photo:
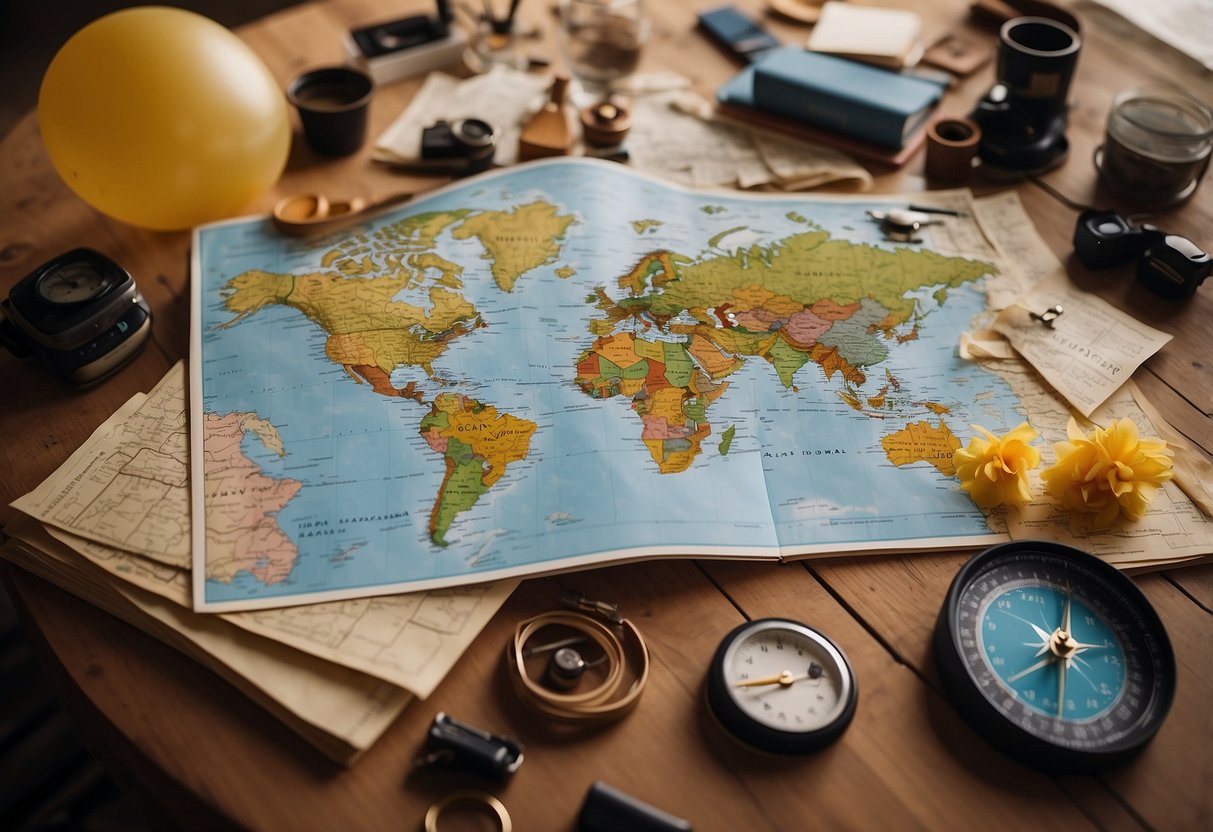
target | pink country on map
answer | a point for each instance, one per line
(242, 533)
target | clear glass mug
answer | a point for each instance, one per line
(1157, 147)
(602, 41)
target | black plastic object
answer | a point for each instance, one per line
(606, 809)
(456, 744)
(1174, 267)
(1103, 239)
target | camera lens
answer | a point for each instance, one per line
(474, 132)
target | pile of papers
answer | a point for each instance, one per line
(112, 526)
(674, 134)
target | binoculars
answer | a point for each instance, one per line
(1168, 265)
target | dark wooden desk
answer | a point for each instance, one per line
(203, 755)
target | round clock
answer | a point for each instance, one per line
(1054, 656)
(781, 687)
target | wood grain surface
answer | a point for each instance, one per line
(201, 756)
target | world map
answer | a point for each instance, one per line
(567, 363)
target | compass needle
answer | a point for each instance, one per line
(1062, 664)
(1043, 663)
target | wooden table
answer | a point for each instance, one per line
(202, 755)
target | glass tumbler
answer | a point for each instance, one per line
(602, 41)
(1157, 145)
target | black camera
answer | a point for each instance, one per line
(79, 314)
(462, 146)
(1169, 265)
(1023, 116)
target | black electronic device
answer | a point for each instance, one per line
(405, 33)
(1023, 116)
(736, 33)
(79, 314)
(1169, 265)
(465, 145)
(1054, 656)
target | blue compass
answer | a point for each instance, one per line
(1054, 656)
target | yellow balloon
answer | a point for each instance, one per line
(163, 119)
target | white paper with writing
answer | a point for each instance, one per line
(1087, 351)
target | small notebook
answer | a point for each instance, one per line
(885, 37)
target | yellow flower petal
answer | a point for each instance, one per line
(994, 470)
(1114, 471)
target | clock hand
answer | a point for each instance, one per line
(1045, 662)
(784, 678)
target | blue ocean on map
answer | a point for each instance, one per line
(803, 470)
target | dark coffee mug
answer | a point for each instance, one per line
(333, 104)
(1036, 60)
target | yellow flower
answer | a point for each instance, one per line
(1113, 471)
(995, 470)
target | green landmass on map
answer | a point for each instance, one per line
(681, 326)
(477, 443)
(371, 333)
(726, 440)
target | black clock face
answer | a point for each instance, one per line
(781, 687)
(1054, 656)
(73, 283)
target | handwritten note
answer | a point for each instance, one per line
(1087, 350)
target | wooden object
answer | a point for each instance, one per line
(549, 132)
(202, 756)
(800, 11)
(605, 124)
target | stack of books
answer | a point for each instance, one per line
(112, 526)
(873, 113)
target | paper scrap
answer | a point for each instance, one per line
(985, 344)
(1088, 351)
(127, 485)
(711, 152)
(1193, 470)
(503, 97)
(1186, 25)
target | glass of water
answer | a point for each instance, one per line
(602, 40)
